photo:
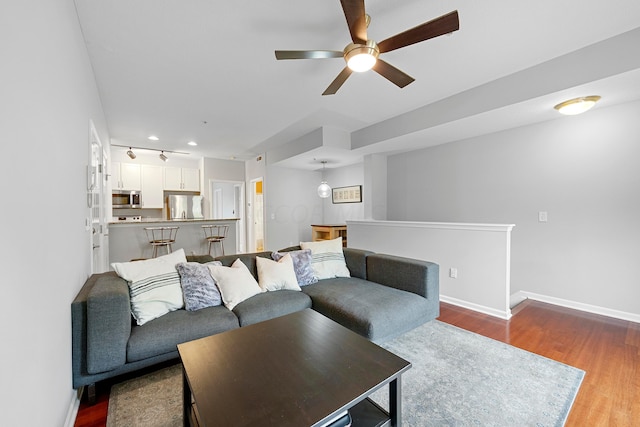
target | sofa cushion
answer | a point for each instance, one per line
(372, 310)
(277, 275)
(301, 265)
(268, 305)
(327, 258)
(163, 334)
(198, 287)
(236, 283)
(154, 285)
(247, 259)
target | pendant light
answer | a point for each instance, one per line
(163, 157)
(324, 190)
(131, 154)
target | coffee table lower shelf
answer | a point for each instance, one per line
(368, 414)
(364, 414)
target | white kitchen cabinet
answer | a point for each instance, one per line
(181, 179)
(152, 189)
(125, 176)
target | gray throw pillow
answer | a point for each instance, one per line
(301, 265)
(198, 287)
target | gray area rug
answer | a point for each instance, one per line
(458, 378)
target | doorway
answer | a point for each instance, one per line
(227, 201)
(256, 216)
(96, 201)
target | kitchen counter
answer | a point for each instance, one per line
(171, 221)
(128, 239)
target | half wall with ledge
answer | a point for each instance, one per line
(478, 255)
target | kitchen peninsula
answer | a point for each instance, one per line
(128, 240)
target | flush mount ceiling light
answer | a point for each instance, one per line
(324, 190)
(131, 154)
(163, 157)
(154, 138)
(577, 105)
(192, 143)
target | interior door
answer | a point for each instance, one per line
(227, 201)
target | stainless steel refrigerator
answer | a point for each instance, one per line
(185, 207)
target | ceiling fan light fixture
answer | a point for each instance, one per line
(577, 105)
(361, 57)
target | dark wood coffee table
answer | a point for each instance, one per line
(302, 369)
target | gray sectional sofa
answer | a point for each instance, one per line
(384, 297)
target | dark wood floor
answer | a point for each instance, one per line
(607, 349)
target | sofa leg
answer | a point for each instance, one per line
(91, 394)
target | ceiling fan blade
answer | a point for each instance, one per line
(308, 54)
(356, 19)
(391, 73)
(436, 27)
(338, 81)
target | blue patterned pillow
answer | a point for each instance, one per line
(198, 287)
(301, 265)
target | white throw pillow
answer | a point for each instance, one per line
(236, 283)
(154, 285)
(275, 275)
(327, 258)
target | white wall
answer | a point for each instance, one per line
(48, 97)
(582, 170)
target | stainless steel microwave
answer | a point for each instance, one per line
(125, 199)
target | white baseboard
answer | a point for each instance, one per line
(74, 405)
(603, 311)
(476, 307)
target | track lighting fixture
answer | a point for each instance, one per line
(162, 155)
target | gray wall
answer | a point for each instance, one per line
(343, 177)
(48, 97)
(219, 169)
(291, 206)
(582, 170)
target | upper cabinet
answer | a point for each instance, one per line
(181, 179)
(125, 176)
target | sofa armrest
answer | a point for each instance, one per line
(108, 324)
(407, 274)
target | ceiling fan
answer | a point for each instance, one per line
(362, 54)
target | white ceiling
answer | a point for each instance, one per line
(205, 70)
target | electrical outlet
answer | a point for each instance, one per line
(542, 216)
(453, 273)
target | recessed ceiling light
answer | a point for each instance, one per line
(577, 105)
(154, 138)
(192, 143)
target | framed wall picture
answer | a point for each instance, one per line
(352, 194)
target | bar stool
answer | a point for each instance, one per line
(215, 234)
(161, 236)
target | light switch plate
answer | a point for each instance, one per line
(542, 216)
